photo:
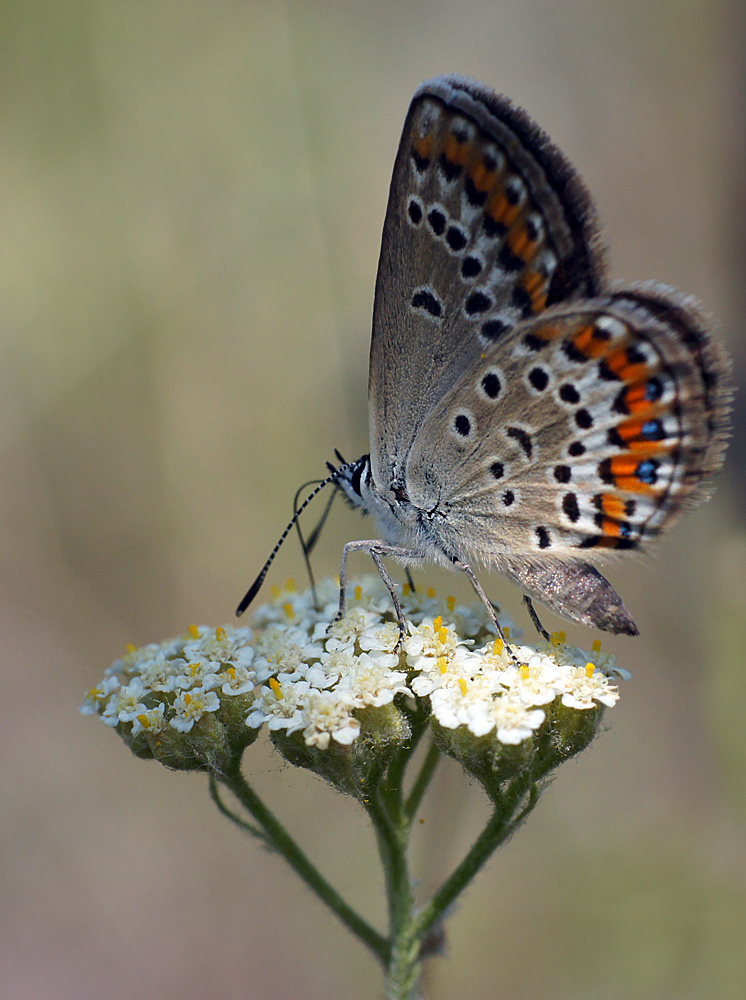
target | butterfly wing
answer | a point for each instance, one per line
(487, 225)
(585, 430)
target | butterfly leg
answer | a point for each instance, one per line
(375, 549)
(479, 590)
(535, 618)
(394, 597)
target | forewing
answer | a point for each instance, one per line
(584, 430)
(487, 225)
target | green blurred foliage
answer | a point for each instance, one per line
(192, 198)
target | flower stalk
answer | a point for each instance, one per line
(279, 840)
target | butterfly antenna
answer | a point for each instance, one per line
(307, 546)
(257, 584)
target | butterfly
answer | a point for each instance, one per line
(525, 415)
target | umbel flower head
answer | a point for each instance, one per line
(183, 701)
(342, 699)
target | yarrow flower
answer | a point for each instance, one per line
(351, 700)
(350, 688)
(183, 701)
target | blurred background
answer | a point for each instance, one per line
(192, 201)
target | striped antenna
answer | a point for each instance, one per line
(257, 584)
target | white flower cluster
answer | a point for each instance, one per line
(307, 676)
(484, 690)
(175, 683)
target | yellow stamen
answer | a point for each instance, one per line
(288, 609)
(443, 635)
(589, 668)
(462, 685)
(194, 667)
(558, 638)
(290, 584)
(275, 591)
(144, 721)
(596, 647)
(506, 632)
(430, 592)
(450, 603)
(498, 646)
(442, 664)
(220, 634)
(524, 671)
(437, 624)
(231, 671)
(358, 593)
(131, 648)
(187, 699)
(276, 687)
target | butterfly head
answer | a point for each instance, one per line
(353, 479)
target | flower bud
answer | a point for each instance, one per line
(357, 766)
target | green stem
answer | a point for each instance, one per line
(392, 832)
(278, 837)
(499, 827)
(421, 782)
(391, 838)
(234, 817)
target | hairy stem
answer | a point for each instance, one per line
(501, 824)
(280, 840)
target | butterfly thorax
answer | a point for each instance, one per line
(422, 529)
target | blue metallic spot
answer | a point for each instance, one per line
(653, 430)
(647, 471)
(653, 390)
